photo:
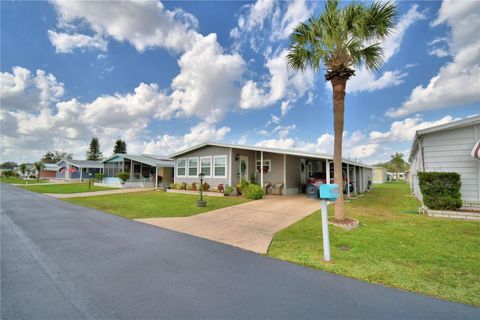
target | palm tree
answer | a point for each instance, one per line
(39, 166)
(341, 39)
(397, 162)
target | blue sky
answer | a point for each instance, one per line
(165, 76)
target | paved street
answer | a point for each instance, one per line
(60, 261)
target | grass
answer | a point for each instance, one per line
(153, 204)
(65, 188)
(392, 246)
(16, 180)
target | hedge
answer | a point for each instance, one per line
(441, 190)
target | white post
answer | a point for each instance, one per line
(355, 178)
(284, 173)
(81, 173)
(360, 171)
(261, 169)
(156, 177)
(328, 171)
(348, 180)
(325, 235)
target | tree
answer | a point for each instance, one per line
(8, 165)
(23, 169)
(93, 152)
(120, 147)
(341, 39)
(39, 166)
(397, 163)
(7, 173)
(56, 156)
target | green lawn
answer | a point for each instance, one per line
(154, 204)
(15, 180)
(436, 257)
(65, 188)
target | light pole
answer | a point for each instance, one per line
(201, 203)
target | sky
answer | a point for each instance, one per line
(167, 76)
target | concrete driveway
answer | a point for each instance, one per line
(249, 226)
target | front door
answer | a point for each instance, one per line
(137, 168)
(243, 168)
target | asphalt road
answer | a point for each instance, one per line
(60, 261)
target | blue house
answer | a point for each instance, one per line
(78, 169)
(145, 170)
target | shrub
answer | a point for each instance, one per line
(228, 191)
(253, 191)
(99, 177)
(123, 176)
(173, 186)
(441, 190)
(194, 186)
(205, 186)
(189, 187)
(183, 186)
(7, 173)
(220, 187)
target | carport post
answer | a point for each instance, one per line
(81, 173)
(261, 169)
(355, 178)
(348, 180)
(156, 177)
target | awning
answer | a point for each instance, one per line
(476, 151)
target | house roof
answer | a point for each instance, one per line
(50, 166)
(271, 150)
(443, 127)
(150, 159)
(84, 163)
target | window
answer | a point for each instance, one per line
(267, 166)
(206, 166)
(220, 166)
(181, 167)
(192, 167)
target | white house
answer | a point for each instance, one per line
(451, 147)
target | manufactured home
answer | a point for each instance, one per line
(379, 175)
(78, 169)
(451, 147)
(228, 164)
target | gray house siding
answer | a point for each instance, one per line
(450, 151)
(208, 151)
(293, 174)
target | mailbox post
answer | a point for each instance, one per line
(328, 192)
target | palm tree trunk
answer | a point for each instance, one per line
(338, 86)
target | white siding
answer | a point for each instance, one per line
(449, 151)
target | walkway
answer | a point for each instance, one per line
(249, 225)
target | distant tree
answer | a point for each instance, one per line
(8, 165)
(93, 152)
(397, 163)
(7, 173)
(23, 169)
(55, 156)
(120, 147)
(39, 166)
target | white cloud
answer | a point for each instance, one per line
(144, 24)
(404, 130)
(281, 85)
(296, 12)
(457, 83)
(365, 80)
(21, 90)
(65, 43)
(207, 84)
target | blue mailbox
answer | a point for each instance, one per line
(329, 192)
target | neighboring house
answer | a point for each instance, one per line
(78, 169)
(228, 164)
(379, 175)
(49, 172)
(451, 147)
(145, 170)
